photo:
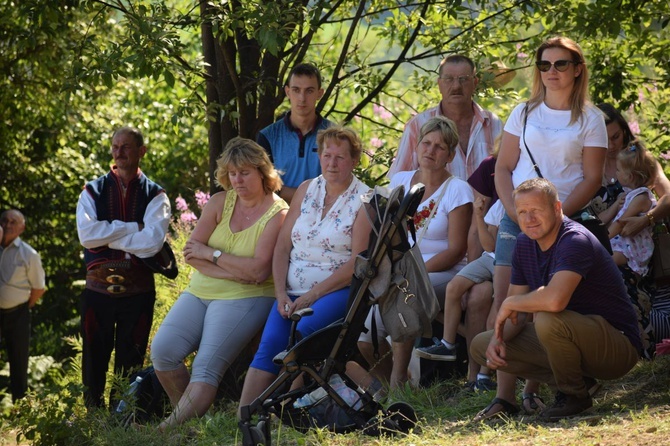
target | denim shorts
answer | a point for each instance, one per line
(505, 241)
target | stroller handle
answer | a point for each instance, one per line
(295, 317)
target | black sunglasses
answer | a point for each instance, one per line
(560, 65)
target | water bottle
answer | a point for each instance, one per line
(131, 394)
(310, 398)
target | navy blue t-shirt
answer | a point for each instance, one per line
(601, 291)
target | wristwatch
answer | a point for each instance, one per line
(215, 256)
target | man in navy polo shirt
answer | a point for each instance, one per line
(291, 141)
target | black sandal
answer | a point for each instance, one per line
(508, 409)
(534, 407)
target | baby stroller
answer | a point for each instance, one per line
(328, 397)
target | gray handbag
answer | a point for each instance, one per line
(409, 304)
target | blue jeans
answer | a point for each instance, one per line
(508, 230)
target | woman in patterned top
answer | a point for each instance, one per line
(314, 257)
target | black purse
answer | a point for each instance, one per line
(587, 216)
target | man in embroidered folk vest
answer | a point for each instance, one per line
(122, 218)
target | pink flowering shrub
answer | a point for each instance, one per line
(186, 216)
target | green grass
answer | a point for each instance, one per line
(634, 410)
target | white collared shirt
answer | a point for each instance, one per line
(20, 272)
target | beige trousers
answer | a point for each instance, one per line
(561, 348)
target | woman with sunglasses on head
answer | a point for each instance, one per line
(559, 135)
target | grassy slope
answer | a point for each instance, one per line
(634, 410)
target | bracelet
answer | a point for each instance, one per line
(651, 218)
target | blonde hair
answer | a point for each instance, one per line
(542, 185)
(447, 129)
(639, 162)
(579, 96)
(243, 152)
(340, 133)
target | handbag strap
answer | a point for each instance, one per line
(532, 160)
(432, 211)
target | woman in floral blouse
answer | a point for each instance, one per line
(313, 262)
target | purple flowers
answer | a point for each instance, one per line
(201, 198)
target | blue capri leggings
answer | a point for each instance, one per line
(327, 310)
(217, 329)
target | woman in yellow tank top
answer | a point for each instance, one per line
(231, 292)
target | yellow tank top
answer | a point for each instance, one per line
(242, 244)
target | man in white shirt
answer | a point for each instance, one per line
(22, 284)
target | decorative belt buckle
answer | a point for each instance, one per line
(115, 279)
(116, 289)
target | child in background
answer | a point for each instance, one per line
(478, 271)
(636, 170)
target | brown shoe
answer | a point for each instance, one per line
(566, 406)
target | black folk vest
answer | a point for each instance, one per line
(111, 204)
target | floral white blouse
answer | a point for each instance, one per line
(321, 246)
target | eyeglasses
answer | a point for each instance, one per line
(451, 79)
(560, 65)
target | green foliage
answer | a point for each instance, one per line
(51, 419)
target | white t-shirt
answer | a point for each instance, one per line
(557, 146)
(492, 218)
(436, 238)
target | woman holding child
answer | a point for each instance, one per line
(231, 291)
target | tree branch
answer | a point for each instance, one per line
(389, 74)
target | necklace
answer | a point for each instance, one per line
(248, 215)
(612, 168)
(327, 203)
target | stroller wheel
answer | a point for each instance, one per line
(258, 435)
(403, 415)
(264, 427)
(378, 426)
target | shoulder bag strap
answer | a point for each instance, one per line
(532, 160)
